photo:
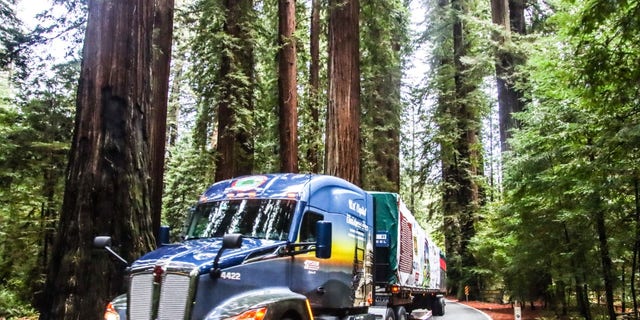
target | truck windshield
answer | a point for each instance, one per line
(257, 218)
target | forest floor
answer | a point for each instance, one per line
(499, 311)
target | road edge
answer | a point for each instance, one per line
(466, 306)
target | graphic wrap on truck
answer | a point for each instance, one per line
(413, 258)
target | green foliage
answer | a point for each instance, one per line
(188, 172)
(12, 38)
(11, 307)
(575, 157)
(34, 139)
(384, 41)
(36, 120)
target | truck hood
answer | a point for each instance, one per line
(200, 254)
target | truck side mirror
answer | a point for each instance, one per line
(232, 241)
(323, 242)
(104, 242)
(229, 241)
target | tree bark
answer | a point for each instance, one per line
(509, 15)
(107, 187)
(342, 153)
(161, 57)
(235, 107)
(287, 87)
(314, 84)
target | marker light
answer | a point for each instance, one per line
(395, 289)
(110, 313)
(254, 314)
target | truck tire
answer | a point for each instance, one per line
(401, 313)
(390, 315)
(438, 306)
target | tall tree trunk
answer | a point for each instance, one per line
(509, 15)
(161, 57)
(107, 189)
(314, 84)
(460, 163)
(342, 152)
(235, 104)
(287, 87)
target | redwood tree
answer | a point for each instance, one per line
(314, 83)
(508, 15)
(342, 151)
(235, 93)
(107, 187)
(287, 86)
(161, 56)
(458, 120)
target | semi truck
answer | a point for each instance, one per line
(288, 247)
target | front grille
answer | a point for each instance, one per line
(174, 293)
(141, 296)
(172, 296)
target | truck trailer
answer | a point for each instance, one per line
(288, 246)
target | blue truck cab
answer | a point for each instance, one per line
(271, 246)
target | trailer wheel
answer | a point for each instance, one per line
(401, 313)
(390, 315)
(438, 306)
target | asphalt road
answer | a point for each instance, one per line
(457, 311)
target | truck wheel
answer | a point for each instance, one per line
(390, 315)
(401, 313)
(438, 307)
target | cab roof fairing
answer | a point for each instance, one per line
(325, 190)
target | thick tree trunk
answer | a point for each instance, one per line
(314, 84)
(235, 143)
(342, 151)
(161, 57)
(107, 187)
(287, 87)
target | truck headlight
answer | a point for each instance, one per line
(110, 313)
(253, 314)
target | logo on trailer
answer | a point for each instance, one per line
(358, 208)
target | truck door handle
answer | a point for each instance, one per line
(321, 290)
